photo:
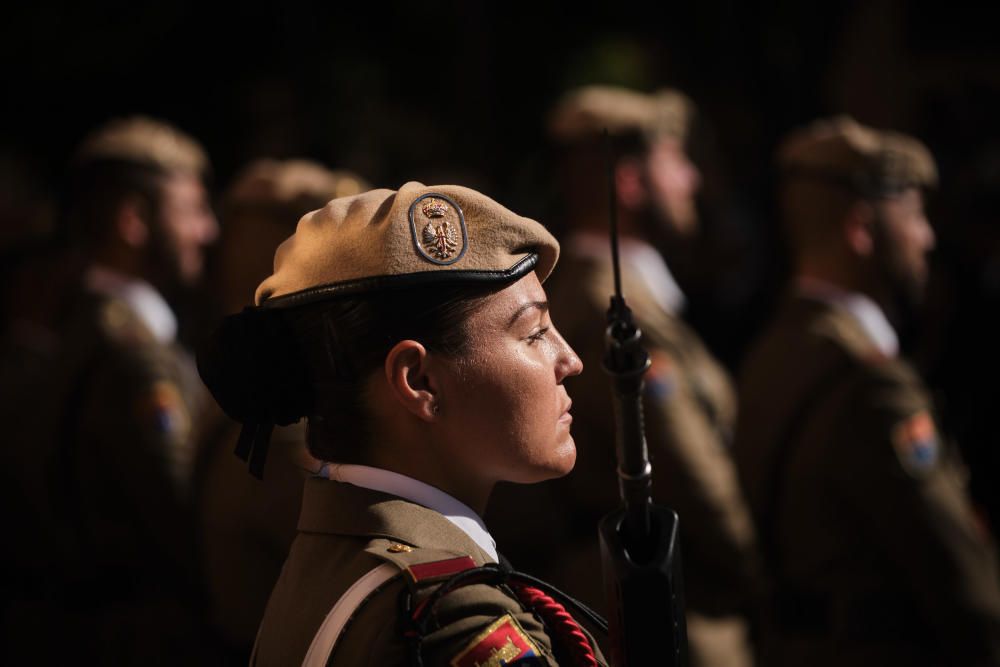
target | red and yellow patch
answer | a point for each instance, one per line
(916, 443)
(660, 377)
(503, 642)
(163, 409)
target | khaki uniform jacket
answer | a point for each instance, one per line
(345, 532)
(551, 528)
(247, 525)
(874, 551)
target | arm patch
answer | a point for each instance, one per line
(503, 642)
(916, 444)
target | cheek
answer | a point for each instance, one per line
(513, 400)
(190, 230)
(674, 178)
(173, 233)
(909, 245)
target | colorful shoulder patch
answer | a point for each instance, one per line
(660, 378)
(162, 409)
(916, 443)
(503, 643)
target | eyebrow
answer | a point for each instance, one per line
(540, 305)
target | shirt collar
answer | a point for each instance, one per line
(864, 310)
(386, 481)
(140, 296)
(645, 261)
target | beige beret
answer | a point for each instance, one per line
(587, 111)
(286, 182)
(420, 235)
(145, 141)
(869, 161)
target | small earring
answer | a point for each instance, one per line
(436, 409)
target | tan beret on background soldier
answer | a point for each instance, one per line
(689, 403)
(411, 329)
(247, 525)
(115, 432)
(874, 552)
(259, 212)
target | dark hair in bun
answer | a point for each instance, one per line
(277, 365)
(255, 370)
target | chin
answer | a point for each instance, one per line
(190, 275)
(558, 465)
(564, 459)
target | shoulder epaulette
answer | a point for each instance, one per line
(419, 565)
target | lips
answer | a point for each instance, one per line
(566, 416)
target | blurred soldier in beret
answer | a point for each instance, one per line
(260, 209)
(689, 402)
(123, 409)
(874, 553)
(248, 525)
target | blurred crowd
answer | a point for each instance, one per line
(813, 425)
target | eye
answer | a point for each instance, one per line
(538, 335)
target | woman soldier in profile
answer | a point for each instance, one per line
(411, 329)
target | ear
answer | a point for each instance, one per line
(629, 183)
(408, 380)
(859, 228)
(130, 223)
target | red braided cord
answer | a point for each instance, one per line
(566, 629)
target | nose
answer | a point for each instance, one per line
(569, 363)
(930, 238)
(209, 228)
(693, 177)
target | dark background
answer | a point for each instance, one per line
(457, 91)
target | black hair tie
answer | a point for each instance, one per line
(255, 371)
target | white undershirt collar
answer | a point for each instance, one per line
(646, 262)
(139, 295)
(418, 492)
(864, 310)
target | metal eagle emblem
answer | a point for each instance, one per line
(442, 238)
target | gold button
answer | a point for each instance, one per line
(397, 548)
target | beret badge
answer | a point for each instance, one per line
(437, 225)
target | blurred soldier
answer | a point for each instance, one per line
(875, 554)
(34, 273)
(119, 421)
(248, 525)
(690, 405)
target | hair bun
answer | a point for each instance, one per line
(253, 368)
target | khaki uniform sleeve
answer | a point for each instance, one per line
(694, 474)
(480, 622)
(910, 501)
(136, 433)
(466, 621)
(469, 627)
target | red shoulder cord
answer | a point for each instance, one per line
(564, 629)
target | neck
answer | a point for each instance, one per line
(120, 260)
(419, 459)
(831, 270)
(135, 264)
(848, 278)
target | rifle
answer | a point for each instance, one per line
(640, 546)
